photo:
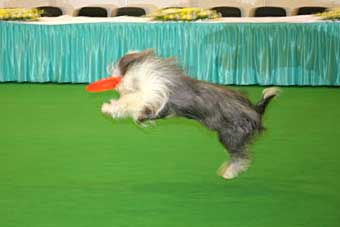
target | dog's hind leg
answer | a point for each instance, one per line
(240, 159)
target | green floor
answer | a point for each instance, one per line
(64, 164)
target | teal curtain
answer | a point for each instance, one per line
(223, 53)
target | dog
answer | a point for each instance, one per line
(155, 88)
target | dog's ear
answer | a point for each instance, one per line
(132, 58)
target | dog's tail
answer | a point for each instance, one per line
(268, 94)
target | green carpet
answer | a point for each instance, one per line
(64, 164)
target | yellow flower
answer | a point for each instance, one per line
(330, 15)
(19, 14)
(185, 14)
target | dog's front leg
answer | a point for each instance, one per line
(127, 106)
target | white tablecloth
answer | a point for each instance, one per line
(125, 19)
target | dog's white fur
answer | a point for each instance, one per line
(270, 92)
(232, 169)
(142, 87)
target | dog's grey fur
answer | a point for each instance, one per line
(226, 111)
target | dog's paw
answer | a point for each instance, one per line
(231, 170)
(227, 171)
(107, 108)
(230, 173)
(114, 102)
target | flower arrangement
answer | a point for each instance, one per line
(330, 15)
(20, 14)
(184, 14)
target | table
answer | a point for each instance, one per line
(269, 51)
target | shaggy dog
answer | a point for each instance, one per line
(154, 88)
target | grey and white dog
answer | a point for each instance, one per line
(155, 88)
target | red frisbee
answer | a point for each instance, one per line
(104, 84)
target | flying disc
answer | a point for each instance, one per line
(105, 84)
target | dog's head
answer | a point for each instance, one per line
(130, 59)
